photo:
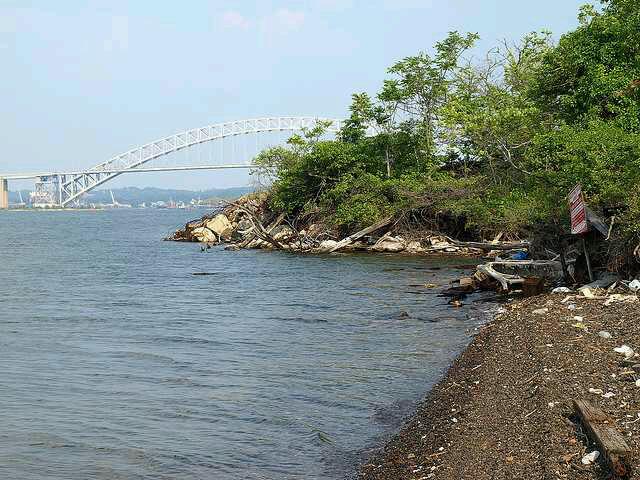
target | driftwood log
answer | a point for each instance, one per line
(258, 228)
(488, 246)
(600, 429)
(358, 235)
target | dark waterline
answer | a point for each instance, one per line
(117, 362)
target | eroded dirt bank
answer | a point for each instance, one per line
(504, 409)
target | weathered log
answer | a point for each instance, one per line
(488, 246)
(611, 443)
(356, 236)
(504, 279)
(261, 232)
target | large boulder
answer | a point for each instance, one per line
(414, 247)
(220, 225)
(283, 234)
(327, 245)
(204, 235)
(390, 245)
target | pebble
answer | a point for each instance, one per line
(604, 334)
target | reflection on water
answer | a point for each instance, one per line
(116, 362)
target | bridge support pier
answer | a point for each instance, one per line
(4, 194)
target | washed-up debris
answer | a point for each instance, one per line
(510, 273)
(604, 334)
(541, 311)
(604, 281)
(634, 286)
(561, 290)
(611, 444)
(590, 458)
(625, 350)
(617, 297)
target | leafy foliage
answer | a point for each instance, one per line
(514, 132)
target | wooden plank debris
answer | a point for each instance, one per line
(600, 429)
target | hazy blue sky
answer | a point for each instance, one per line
(84, 80)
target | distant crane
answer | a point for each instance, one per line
(115, 204)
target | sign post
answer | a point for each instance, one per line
(579, 225)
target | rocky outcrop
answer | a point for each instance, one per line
(249, 223)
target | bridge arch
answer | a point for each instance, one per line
(72, 186)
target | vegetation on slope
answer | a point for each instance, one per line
(486, 145)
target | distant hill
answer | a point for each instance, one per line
(136, 196)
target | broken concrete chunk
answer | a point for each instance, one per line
(625, 350)
(590, 458)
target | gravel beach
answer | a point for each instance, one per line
(504, 409)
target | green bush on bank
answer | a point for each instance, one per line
(498, 142)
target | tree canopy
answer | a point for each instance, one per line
(497, 141)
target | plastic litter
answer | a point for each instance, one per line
(638, 383)
(589, 458)
(604, 334)
(608, 395)
(561, 290)
(616, 297)
(635, 286)
(625, 350)
(596, 391)
(587, 292)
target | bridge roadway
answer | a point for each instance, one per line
(30, 176)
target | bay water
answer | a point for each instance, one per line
(117, 362)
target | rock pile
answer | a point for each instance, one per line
(246, 223)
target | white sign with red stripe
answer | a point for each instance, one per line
(578, 211)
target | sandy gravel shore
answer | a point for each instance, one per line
(504, 409)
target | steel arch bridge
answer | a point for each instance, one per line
(70, 186)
